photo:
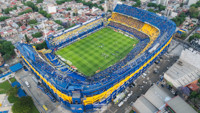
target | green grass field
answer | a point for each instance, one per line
(4, 87)
(98, 51)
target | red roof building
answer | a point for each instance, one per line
(23, 27)
(193, 87)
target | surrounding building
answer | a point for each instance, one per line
(160, 100)
(162, 2)
(185, 71)
(190, 2)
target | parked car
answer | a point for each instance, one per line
(27, 84)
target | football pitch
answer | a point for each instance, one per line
(98, 51)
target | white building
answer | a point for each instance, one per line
(186, 70)
(161, 100)
(190, 2)
(51, 9)
(162, 2)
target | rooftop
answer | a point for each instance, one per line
(180, 106)
(185, 70)
(153, 100)
(158, 96)
(147, 107)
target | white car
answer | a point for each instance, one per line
(120, 104)
(27, 84)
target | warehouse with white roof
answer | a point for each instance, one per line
(186, 70)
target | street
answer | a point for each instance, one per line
(37, 95)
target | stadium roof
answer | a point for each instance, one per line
(185, 70)
(21, 93)
(17, 84)
(180, 106)
(16, 67)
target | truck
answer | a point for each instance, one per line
(119, 97)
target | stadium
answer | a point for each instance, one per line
(87, 65)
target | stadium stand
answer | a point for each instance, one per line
(77, 31)
(82, 93)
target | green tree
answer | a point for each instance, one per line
(137, 4)
(68, 9)
(3, 18)
(58, 22)
(109, 11)
(102, 1)
(40, 1)
(179, 19)
(26, 11)
(32, 21)
(44, 13)
(89, 4)
(6, 56)
(12, 91)
(27, 39)
(193, 12)
(196, 35)
(48, 16)
(24, 105)
(13, 98)
(184, 35)
(6, 49)
(59, 2)
(152, 5)
(37, 35)
(193, 96)
(32, 5)
(152, 10)
(196, 5)
(161, 7)
(100, 7)
(75, 14)
(41, 46)
(7, 10)
(181, 5)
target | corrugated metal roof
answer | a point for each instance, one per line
(185, 70)
(146, 106)
(180, 106)
(157, 96)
